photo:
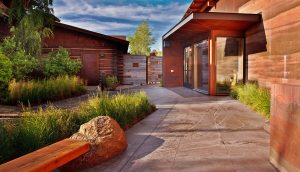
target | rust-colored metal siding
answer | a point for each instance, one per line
(278, 35)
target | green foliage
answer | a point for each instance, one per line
(22, 63)
(59, 63)
(111, 82)
(28, 35)
(259, 99)
(141, 40)
(46, 126)
(39, 91)
(5, 70)
(5, 75)
(124, 108)
(40, 9)
(6, 144)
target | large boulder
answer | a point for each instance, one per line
(107, 139)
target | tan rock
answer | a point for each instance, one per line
(107, 140)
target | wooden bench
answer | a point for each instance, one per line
(47, 158)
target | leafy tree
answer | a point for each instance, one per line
(141, 40)
(59, 63)
(29, 34)
(31, 21)
(23, 64)
(41, 10)
(5, 75)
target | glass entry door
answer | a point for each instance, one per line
(201, 73)
(187, 67)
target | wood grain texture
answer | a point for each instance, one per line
(109, 54)
(47, 158)
(135, 70)
(154, 71)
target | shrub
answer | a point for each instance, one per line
(6, 144)
(259, 99)
(23, 64)
(111, 82)
(59, 63)
(39, 91)
(5, 75)
(124, 108)
(40, 128)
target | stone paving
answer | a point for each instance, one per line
(193, 132)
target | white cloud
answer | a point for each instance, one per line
(98, 26)
(159, 13)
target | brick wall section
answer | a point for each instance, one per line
(285, 127)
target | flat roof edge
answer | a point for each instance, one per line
(214, 16)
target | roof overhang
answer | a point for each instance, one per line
(91, 33)
(199, 6)
(214, 21)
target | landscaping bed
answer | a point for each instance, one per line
(257, 98)
(40, 128)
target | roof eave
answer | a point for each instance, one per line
(99, 35)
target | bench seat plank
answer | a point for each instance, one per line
(47, 158)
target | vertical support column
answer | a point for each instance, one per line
(212, 64)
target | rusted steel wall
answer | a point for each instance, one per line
(173, 63)
(109, 55)
(154, 72)
(285, 127)
(273, 46)
(135, 70)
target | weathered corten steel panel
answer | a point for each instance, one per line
(173, 64)
(273, 46)
(285, 127)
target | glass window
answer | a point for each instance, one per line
(229, 54)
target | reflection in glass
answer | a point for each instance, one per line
(201, 66)
(229, 53)
(187, 68)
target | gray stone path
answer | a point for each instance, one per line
(193, 132)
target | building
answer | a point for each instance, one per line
(100, 54)
(222, 42)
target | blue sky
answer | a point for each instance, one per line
(121, 17)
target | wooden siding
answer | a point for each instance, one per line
(135, 70)
(267, 43)
(109, 54)
(154, 71)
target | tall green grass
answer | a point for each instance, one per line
(258, 98)
(39, 91)
(40, 128)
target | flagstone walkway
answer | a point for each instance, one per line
(193, 132)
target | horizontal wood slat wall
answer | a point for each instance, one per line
(142, 69)
(135, 70)
(110, 54)
(154, 72)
